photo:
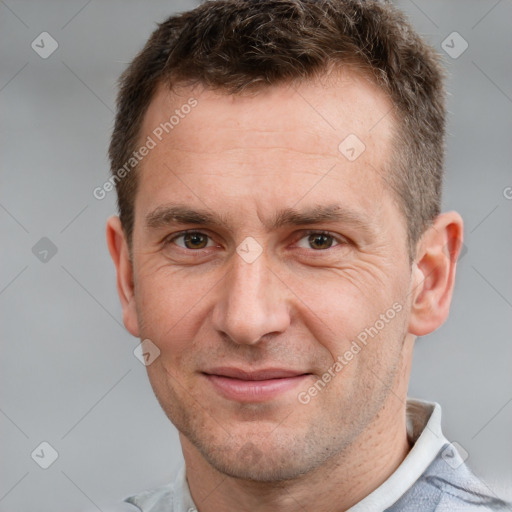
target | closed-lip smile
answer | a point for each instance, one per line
(253, 385)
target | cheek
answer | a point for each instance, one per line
(169, 306)
(344, 297)
(344, 306)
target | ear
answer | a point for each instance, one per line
(119, 251)
(434, 273)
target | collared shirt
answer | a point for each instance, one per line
(432, 478)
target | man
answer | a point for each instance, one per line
(280, 246)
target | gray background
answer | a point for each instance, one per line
(68, 373)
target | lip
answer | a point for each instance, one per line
(253, 386)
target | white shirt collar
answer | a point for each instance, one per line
(424, 434)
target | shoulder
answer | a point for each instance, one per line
(448, 485)
(159, 499)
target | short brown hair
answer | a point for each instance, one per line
(237, 45)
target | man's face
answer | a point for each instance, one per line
(244, 335)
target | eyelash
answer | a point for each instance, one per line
(339, 239)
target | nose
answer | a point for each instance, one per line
(252, 304)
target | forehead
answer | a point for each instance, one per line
(328, 107)
(277, 142)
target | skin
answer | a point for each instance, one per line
(298, 306)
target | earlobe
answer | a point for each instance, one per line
(434, 273)
(119, 251)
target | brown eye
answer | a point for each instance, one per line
(319, 241)
(193, 240)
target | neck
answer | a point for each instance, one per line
(339, 484)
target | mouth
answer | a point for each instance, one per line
(254, 386)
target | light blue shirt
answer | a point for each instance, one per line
(432, 478)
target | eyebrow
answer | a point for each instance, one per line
(165, 215)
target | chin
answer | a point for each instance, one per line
(257, 467)
(275, 460)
